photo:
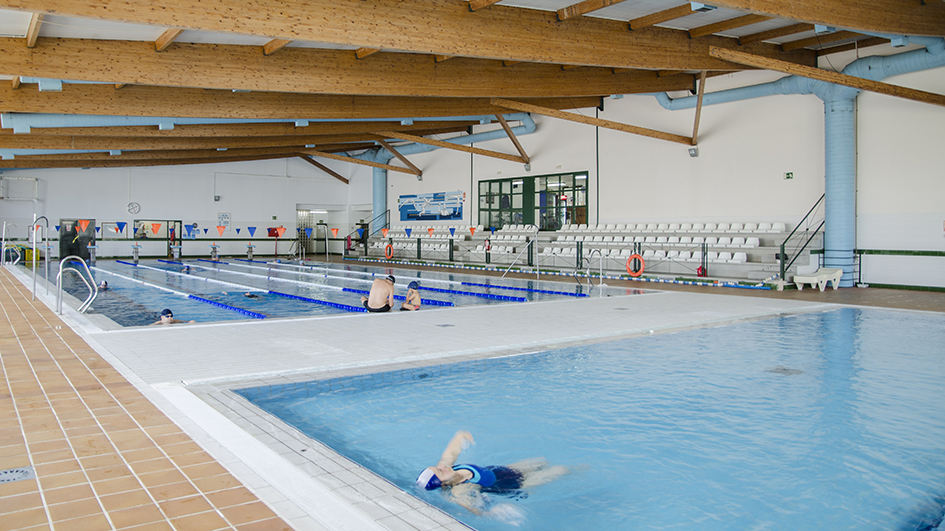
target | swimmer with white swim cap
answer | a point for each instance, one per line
(465, 483)
(381, 298)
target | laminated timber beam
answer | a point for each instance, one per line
(303, 70)
(342, 158)
(105, 143)
(434, 27)
(449, 145)
(141, 100)
(253, 129)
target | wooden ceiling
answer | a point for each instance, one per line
(361, 61)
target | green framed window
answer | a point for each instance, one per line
(548, 201)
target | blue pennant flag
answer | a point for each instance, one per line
(308, 232)
(121, 226)
(205, 230)
(136, 230)
(252, 231)
(360, 233)
(237, 231)
(493, 230)
(57, 228)
(452, 231)
(408, 232)
(97, 229)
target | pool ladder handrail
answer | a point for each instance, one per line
(587, 273)
(519, 255)
(93, 287)
(12, 246)
(33, 227)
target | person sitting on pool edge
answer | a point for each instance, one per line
(465, 483)
(381, 298)
(412, 303)
(167, 318)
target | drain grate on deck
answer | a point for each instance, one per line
(16, 474)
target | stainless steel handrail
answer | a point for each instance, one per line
(527, 245)
(15, 249)
(33, 227)
(93, 287)
(3, 243)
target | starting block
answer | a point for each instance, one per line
(819, 278)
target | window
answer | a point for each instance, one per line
(549, 201)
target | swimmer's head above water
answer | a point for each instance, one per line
(429, 480)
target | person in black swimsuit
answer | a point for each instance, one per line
(381, 298)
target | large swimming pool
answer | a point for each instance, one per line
(829, 420)
(236, 289)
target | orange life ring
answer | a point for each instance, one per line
(389, 251)
(630, 260)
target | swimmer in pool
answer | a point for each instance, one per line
(381, 298)
(412, 303)
(103, 286)
(250, 295)
(465, 483)
(167, 318)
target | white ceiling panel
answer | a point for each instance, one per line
(14, 23)
(205, 37)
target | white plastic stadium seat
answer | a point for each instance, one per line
(673, 227)
(724, 242)
(763, 227)
(777, 227)
(723, 227)
(709, 227)
(739, 258)
(750, 227)
(685, 227)
(711, 240)
(751, 242)
(736, 227)
(737, 242)
(724, 257)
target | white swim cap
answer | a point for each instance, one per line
(428, 480)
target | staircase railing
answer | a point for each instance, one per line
(802, 243)
(381, 221)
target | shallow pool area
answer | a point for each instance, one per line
(829, 419)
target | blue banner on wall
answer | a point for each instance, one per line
(430, 207)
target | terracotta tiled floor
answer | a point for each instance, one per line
(104, 456)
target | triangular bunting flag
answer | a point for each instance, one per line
(280, 231)
(408, 232)
(220, 229)
(252, 231)
(308, 232)
(472, 231)
(189, 230)
(96, 229)
(136, 231)
(205, 230)
(452, 231)
(117, 230)
(493, 230)
(360, 233)
(121, 226)
(237, 231)
(384, 232)
(155, 227)
(430, 231)
(57, 228)
(334, 233)
(83, 224)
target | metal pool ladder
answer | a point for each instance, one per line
(93, 288)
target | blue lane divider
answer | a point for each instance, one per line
(346, 307)
(430, 302)
(127, 263)
(254, 315)
(170, 262)
(474, 294)
(245, 260)
(211, 261)
(548, 291)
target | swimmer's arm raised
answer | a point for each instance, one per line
(457, 444)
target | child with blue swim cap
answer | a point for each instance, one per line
(413, 298)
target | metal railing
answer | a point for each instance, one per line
(34, 228)
(528, 246)
(802, 244)
(93, 287)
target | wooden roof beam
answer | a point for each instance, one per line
(508, 131)
(449, 145)
(585, 7)
(324, 168)
(862, 43)
(775, 33)
(726, 25)
(166, 39)
(342, 158)
(661, 16)
(695, 126)
(479, 4)
(386, 145)
(36, 20)
(255, 129)
(828, 76)
(274, 46)
(597, 122)
(16, 82)
(361, 53)
(819, 40)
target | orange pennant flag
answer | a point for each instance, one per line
(220, 229)
(430, 231)
(384, 232)
(117, 230)
(155, 227)
(472, 231)
(280, 231)
(83, 224)
(334, 233)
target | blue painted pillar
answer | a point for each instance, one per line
(840, 187)
(379, 204)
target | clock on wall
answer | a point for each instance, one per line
(134, 208)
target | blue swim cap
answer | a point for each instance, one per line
(428, 480)
(167, 312)
(413, 285)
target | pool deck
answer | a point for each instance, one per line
(137, 429)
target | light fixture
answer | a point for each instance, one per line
(694, 151)
(701, 8)
(318, 211)
(528, 167)
(516, 183)
(555, 185)
(581, 177)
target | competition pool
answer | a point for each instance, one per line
(829, 420)
(236, 289)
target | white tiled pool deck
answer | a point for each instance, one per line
(187, 371)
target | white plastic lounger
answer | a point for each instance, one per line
(820, 278)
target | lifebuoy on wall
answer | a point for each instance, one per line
(389, 251)
(630, 262)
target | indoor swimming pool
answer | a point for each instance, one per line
(237, 289)
(823, 420)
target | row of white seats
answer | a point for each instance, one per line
(678, 227)
(650, 254)
(518, 228)
(407, 246)
(685, 241)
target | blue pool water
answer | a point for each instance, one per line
(828, 420)
(283, 288)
